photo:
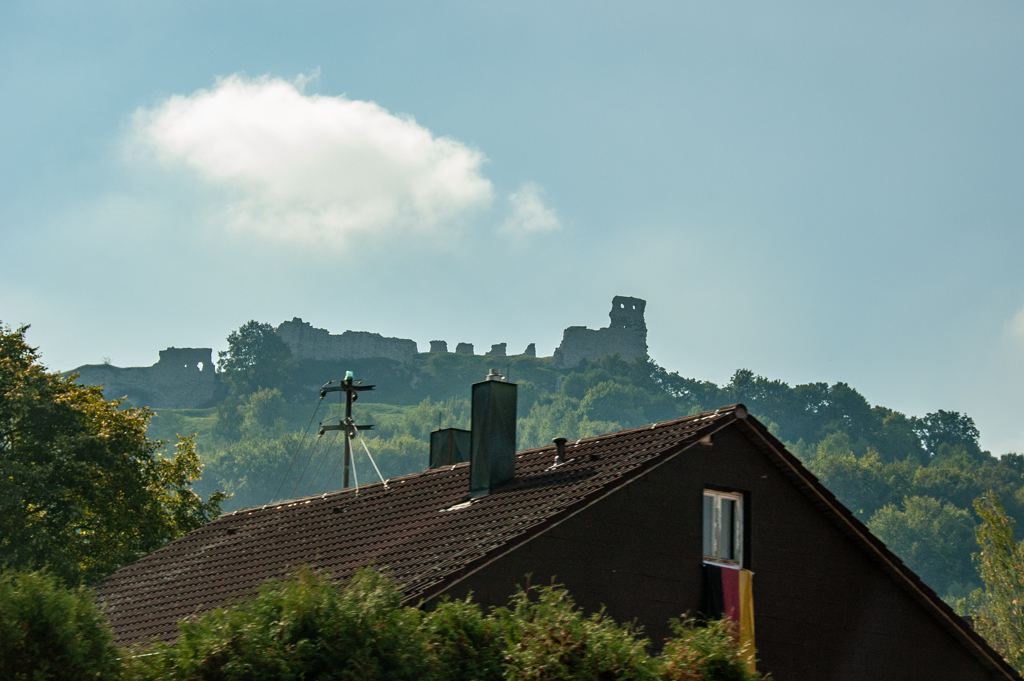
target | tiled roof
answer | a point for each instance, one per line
(417, 527)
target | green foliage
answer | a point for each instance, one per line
(464, 644)
(50, 632)
(304, 627)
(420, 420)
(299, 628)
(396, 456)
(948, 428)
(256, 358)
(998, 606)
(929, 536)
(82, 489)
(549, 638)
(249, 470)
(613, 401)
(708, 652)
(858, 482)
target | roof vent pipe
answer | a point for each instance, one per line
(559, 450)
(492, 449)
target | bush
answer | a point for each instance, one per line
(704, 653)
(464, 644)
(299, 628)
(304, 627)
(51, 632)
(549, 638)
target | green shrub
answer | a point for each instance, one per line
(51, 632)
(464, 644)
(703, 653)
(299, 628)
(549, 638)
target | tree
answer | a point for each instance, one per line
(613, 401)
(256, 358)
(930, 537)
(998, 607)
(948, 427)
(48, 631)
(82, 489)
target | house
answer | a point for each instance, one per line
(635, 521)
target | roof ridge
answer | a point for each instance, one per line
(721, 411)
(534, 450)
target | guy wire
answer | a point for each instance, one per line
(312, 453)
(327, 453)
(370, 456)
(296, 452)
(355, 474)
(334, 470)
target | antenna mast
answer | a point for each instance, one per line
(352, 391)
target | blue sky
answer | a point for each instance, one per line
(814, 192)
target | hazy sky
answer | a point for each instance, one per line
(815, 191)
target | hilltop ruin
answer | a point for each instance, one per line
(310, 343)
(626, 334)
(183, 378)
(186, 378)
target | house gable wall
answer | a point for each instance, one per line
(824, 608)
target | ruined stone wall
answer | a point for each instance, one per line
(626, 335)
(310, 343)
(183, 378)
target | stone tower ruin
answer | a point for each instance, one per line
(626, 334)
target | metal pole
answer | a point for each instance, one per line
(348, 440)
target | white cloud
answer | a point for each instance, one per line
(529, 214)
(1016, 325)
(315, 169)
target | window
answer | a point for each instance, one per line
(723, 527)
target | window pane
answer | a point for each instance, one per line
(709, 524)
(726, 543)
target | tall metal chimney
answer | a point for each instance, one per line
(493, 435)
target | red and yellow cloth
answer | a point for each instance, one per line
(729, 592)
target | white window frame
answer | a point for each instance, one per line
(716, 529)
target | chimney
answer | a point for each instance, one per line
(492, 451)
(449, 446)
(559, 450)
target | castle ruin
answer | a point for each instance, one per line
(183, 378)
(186, 378)
(310, 343)
(626, 335)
